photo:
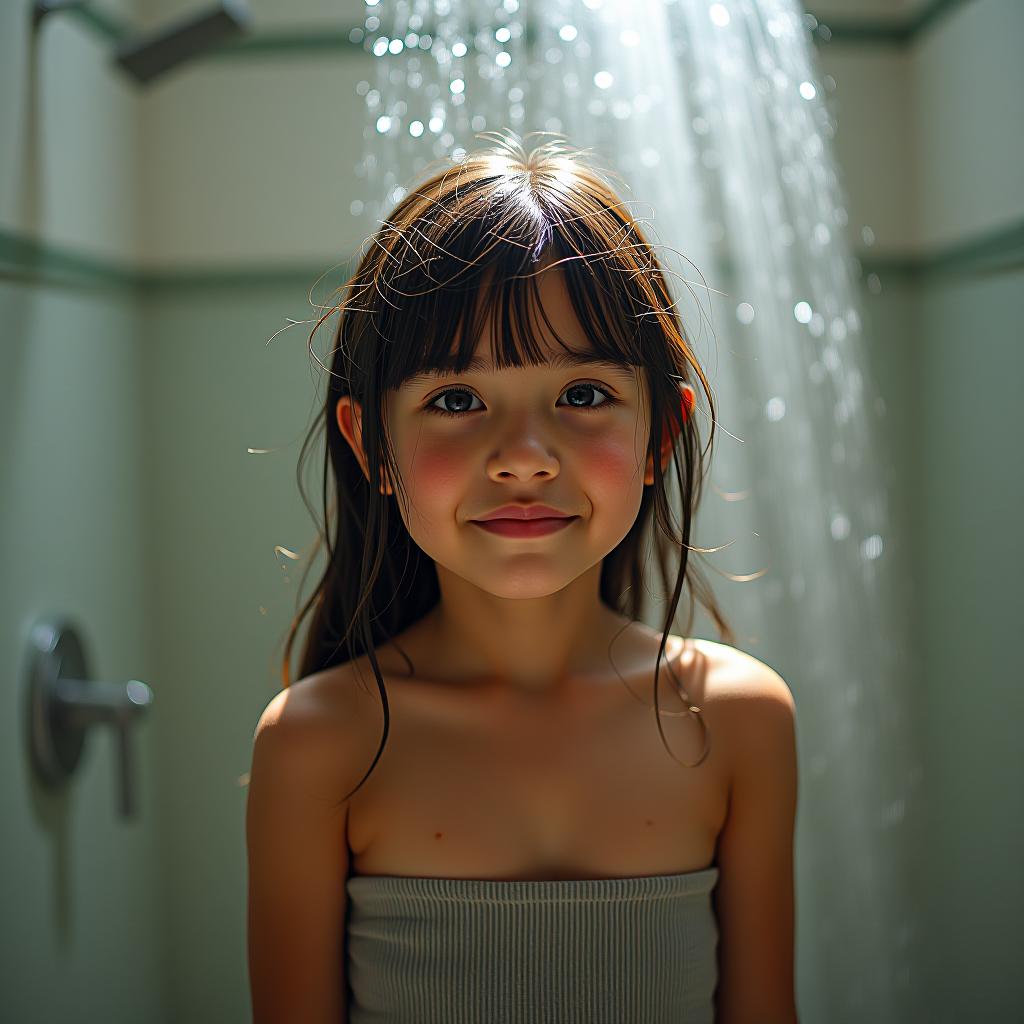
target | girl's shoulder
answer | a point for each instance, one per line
(739, 674)
(742, 698)
(316, 713)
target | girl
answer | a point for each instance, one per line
(493, 832)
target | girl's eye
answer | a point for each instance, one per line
(610, 399)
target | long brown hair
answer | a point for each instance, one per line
(490, 218)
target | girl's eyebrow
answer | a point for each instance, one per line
(479, 365)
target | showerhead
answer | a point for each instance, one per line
(148, 56)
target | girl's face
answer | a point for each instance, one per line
(571, 437)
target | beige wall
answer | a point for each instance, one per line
(934, 166)
(85, 893)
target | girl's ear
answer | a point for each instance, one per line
(350, 422)
(687, 397)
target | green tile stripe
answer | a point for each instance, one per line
(883, 32)
(277, 42)
(27, 261)
(998, 251)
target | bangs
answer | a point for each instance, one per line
(437, 330)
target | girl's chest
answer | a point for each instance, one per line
(467, 790)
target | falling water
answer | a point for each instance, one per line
(715, 116)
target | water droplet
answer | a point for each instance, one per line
(802, 312)
(807, 90)
(840, 527)
(745, 312)
(719, 15)
(871, 548)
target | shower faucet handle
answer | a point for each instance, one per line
(84, 702)
(64, 703)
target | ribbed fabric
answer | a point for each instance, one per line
(470, 951)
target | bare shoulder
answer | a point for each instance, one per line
(754, 899)
(321, 720)
(742, 679)
(752, 706)
(305, 761)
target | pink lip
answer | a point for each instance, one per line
(534, 511)
(525, 527)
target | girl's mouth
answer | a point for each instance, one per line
(525, 527)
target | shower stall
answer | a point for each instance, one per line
(834, 189)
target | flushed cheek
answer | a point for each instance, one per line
(609, 467)
(436, 474)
